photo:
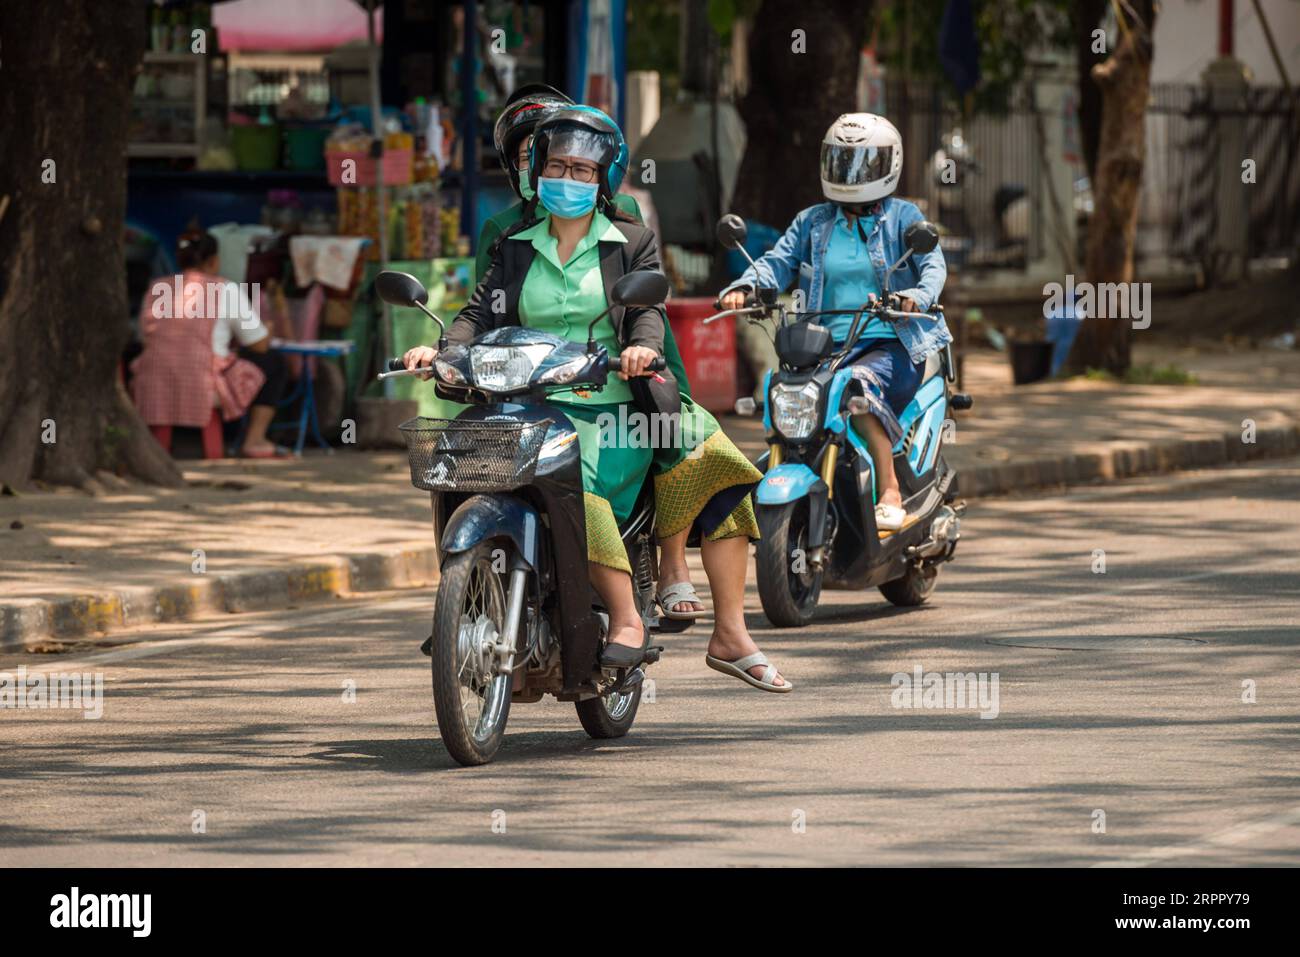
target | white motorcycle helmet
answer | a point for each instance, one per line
(862, 158)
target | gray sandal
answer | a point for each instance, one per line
(672, 595)
(740, 669)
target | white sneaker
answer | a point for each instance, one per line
(890, 518)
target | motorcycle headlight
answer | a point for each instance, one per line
(794, 409)
(505, 368)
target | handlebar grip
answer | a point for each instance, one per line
(657, 364)
(396, 365)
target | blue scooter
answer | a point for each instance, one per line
(816, 502)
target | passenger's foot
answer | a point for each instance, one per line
(671, 577)
(730, 646)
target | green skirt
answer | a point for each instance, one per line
(702, 481)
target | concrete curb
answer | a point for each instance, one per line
(29, 622)
(25, 623)
(1127, 461)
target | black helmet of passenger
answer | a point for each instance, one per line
(526, 108)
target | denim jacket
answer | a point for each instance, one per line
(801, 252)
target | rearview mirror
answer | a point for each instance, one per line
(400, 289)
(921, 237)
(641, 288)
(732, 231)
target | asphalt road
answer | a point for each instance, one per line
(1120, 693)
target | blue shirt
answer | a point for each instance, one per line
(850, 279)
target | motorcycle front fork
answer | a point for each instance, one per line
(819, 510)
(506, 641)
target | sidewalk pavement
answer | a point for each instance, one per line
(244, 536)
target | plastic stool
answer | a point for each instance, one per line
(213, 443)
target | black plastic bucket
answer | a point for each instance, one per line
(1030, 361)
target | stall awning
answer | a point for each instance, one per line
(291, 25)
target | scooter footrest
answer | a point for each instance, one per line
(426, 648)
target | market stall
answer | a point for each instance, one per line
(286, 127)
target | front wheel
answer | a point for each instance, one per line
(787, 585)
(471, 700)
(916, 585)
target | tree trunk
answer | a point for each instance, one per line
(64, 105)
(1125, 82)
(793, 97)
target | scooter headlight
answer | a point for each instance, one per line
(794, 408)
(505, 368)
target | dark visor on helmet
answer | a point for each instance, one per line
(855, 165)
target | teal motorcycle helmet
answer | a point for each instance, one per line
(587, 132)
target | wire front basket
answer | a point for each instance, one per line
(448, 455)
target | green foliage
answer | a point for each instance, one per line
(652, 36)
(1147, 373)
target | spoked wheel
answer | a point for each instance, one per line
(787, 585)
(471, 700)
(914, 587)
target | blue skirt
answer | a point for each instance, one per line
(888, 379)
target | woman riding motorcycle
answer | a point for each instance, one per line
(554, 272)
(526, 109)
(840, 251)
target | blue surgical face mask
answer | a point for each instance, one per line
(566, 198)
(525, 187)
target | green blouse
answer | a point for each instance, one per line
(563, 298)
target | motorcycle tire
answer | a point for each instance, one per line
(789, 597)
(468, 593)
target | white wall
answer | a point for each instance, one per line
(1187, 39)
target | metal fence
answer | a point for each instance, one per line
(1184, 176)
(995, 165)
(1185, 180)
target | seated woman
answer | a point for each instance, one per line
(840, 251)
(186, 368)
(555, 275)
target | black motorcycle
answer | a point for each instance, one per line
(516, 617)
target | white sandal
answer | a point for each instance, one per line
(740, 669)
(890, 518)
(670, 596)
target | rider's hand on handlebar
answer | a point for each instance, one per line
(634, 361)
(419, 356)
(733, 300)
